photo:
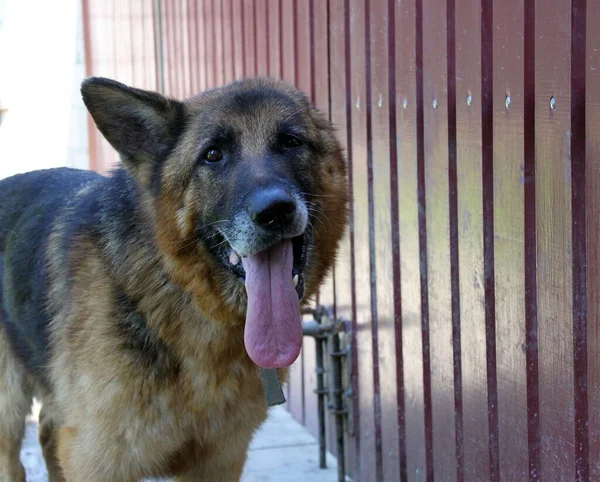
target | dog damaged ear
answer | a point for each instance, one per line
(141, 125)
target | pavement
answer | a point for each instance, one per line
(282, 451)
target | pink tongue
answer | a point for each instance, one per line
(273, 334)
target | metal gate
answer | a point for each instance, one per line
(471, 269)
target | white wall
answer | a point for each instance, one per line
(41, 66)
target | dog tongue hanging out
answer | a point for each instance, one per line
(273, 334)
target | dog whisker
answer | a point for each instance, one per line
(220, 221)
(316, 195)
(316, 209)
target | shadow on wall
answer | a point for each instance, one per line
(44, 122)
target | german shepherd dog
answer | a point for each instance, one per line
(140, 306)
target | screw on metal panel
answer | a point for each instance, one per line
(507, 101)
(357, 104)
(380, 101)
(405, 103)
(552, 103)
(435, 103)
(469, 100)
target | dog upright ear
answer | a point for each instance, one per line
(142, 126)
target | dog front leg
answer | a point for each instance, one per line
(11, 469)
(48, 440)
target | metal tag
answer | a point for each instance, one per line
(272, 386)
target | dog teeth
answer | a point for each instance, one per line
(234, 258)
(295, 280)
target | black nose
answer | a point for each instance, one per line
(272, 208)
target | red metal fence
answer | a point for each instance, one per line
(471, 269)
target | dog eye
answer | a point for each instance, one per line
(288, 141)
(213, 155)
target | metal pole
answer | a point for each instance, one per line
(338, 404)
(321, 402)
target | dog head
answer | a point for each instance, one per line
(247, 184)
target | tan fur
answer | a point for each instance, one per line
(215, 402)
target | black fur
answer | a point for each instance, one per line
(147, 351)
(29, 204)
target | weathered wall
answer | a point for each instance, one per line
(470, 272)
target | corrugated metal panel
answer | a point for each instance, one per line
(120, 44)
(470, 272)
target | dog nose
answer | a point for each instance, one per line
(272, 208)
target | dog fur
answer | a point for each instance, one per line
(116, 310)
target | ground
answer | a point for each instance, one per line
(282, 451)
